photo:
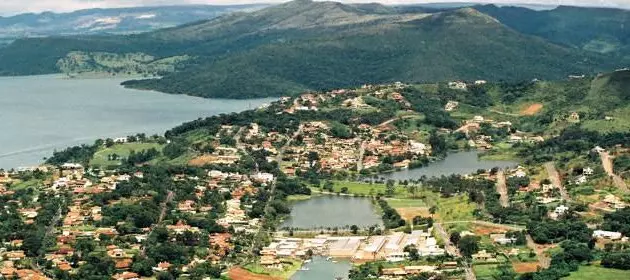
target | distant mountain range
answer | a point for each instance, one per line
(304, 45)
(110, 21)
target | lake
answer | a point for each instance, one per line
(42, 113)
(320, 268)
(332, 211)
(455, 163)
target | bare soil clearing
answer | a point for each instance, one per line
(202, 160)
(532, 109)
(409, 213)
(525, 267)
(238, 273)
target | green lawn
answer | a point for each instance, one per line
(123, 150)
(406, 203)
(455, 208)
(596, 272)
(374, 189)
(286, 273)
(485, 271)
(21, 185)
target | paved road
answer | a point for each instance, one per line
(607, 163)
(169, 198)
(360, 158)
(543, 260)
(488, 224)
(452, 250)
(272, 193)
(554, 177)
(502, 189)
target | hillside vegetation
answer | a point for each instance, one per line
(304, 45)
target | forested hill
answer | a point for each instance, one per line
(305, 45)
(599, 30)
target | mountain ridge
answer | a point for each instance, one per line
(110, 21)
(306, 45)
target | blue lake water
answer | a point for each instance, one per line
(455, 163)
(42, 113)
(332, 211)
(321, 269)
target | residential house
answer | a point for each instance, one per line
(502, 239)
(612, 235)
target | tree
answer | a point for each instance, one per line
(354, 229)
(390, 188)
(468, 245)
(143, 266)
(432, 210)
(412, 189)
(313, 157)
(438, 144)
(413, 252)
(84, 246)
(455, 237)
(619, 260)
(504, 272)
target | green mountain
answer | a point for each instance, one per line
(599, 30)
(305, 45)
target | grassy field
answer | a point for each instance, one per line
(123, 150)
(21, 185)
(485, 271)
(361, 188)
(455, 208)
(599, 273)
(286, 273)
(406, 203)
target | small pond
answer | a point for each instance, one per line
(332, 211)
(455, 163)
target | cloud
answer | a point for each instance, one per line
(22, 6)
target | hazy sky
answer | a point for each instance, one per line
(21, 6)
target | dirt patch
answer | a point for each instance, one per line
(238, 273)
(532, 109)
(408, 213)
(525, 267)
(486, 230)
(202, 160)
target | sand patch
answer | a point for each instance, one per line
(532, 109)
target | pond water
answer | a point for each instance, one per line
(321, 269)
(455, 163)
(332, 211)
(42, 113)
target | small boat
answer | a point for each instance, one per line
(334, 261)
(305, 269)
(307, 261)
(329, 258)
